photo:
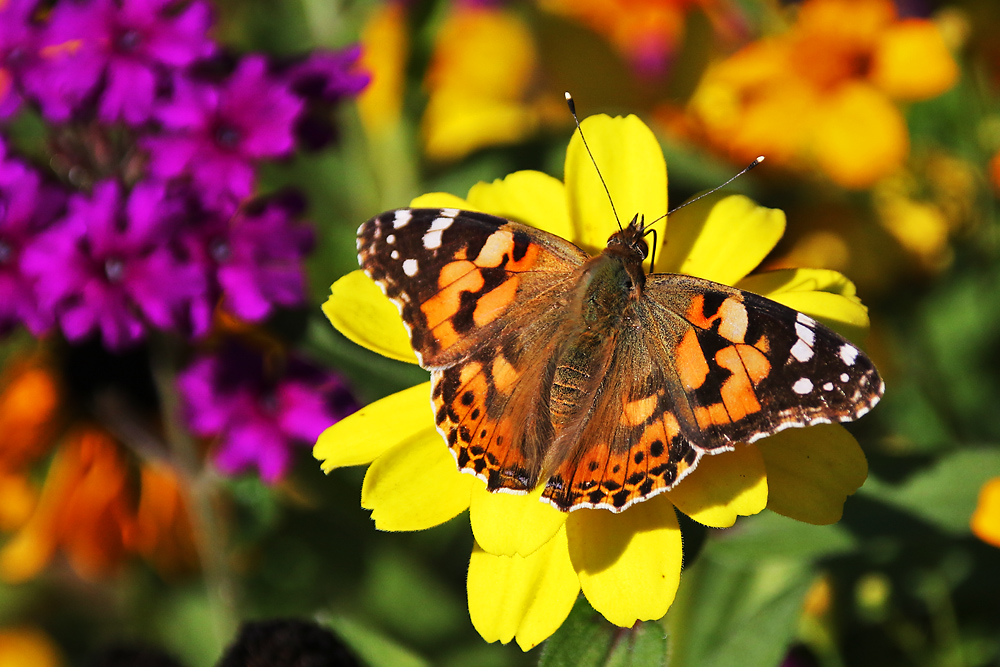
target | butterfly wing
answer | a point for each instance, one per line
(707, 366)
(483, 299)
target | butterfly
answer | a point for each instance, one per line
(583, 373)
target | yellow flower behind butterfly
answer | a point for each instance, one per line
(825, 93)
(530, 561)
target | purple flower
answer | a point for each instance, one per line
(260, 262)
(329, 76)
(17, 48)
(109, 266)
(26, 208)
(215, 134)
(257, 417)
(130, 45)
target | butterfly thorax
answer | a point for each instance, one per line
(607, 290)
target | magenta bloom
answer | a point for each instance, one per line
(256, 418)
(17, 50)
(329, 76)
(129, 45)
(108, 266)
(27, 207)
(215, 134)
(260, 262)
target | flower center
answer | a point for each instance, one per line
(227, 136)
(129, 40)
(114, 269)
(220, 250)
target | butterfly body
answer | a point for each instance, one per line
(585, 374)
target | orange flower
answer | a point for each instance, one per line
(644, 31)
(87, 511)
(986, 518)
(824, 93)
(25, 645)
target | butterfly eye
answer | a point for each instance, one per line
(641, 247)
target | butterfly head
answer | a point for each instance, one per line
(629, 247)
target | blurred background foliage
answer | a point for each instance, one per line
(883, 151)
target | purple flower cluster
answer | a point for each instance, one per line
(255, 412)
(142, 220)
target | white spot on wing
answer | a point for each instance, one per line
(848, 353)
(828, 386)
(394, 254)
(844, 377)
(402, 218)
(432, 239)
(449, 212)
(802, 351)
(806, 320)
(410, 267)
(802, 386)
(805, 334)
(441, 224)
(390, 239)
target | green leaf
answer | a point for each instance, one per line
(768, 535)
(728, 614)
(587, 640)
(583, 640)
(374, 648)
(645, 645)
(945, 494)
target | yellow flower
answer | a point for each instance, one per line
(986, 518)
(479, 83)
(531, 561)
(824, 94)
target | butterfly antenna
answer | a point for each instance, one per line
(760, 158)
(572, 109)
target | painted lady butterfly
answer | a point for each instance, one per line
(607, 384)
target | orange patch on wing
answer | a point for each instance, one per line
(691, 363)
(469, 371)
(446, 303)
(711, 415)
(763, 344)
(491, 305)
(733, 324)
(737, 391)
(445, 334)
(528, 261)
(453, 271)
(696, 313)
(499, 244)
(637, 412)
(756, 364)
(504, 374)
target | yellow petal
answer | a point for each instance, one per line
(374, 429)
(811, 471)
(358, 309)
(24, 645)
(722, 487)
(986, 519)
(721, 237)
(528, 598)
(505, 524)
(630, 563)
(912, 61)
(441, 200)
(629, 157)
(385, 46)
(859, 136)
(456, 124)
(825, 295)
(530, 197)
(416, 484)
